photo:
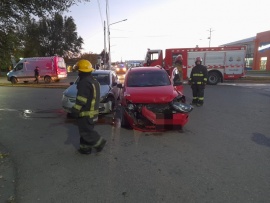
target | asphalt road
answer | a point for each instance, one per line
(223, 154)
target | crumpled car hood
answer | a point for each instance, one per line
(71, 91)
(159, 94)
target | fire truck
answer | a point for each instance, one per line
(223, 63)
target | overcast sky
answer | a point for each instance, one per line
(161, 24)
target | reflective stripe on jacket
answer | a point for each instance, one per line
(198, 75)
(88, 97)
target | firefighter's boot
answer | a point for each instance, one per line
(100, 145)
(194, 102)
(85, 149)
(199, 103)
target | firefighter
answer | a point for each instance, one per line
(86, 108)
(178, 62)
(198, 80)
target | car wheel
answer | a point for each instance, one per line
(213, 78)
(47, 79)
(13, 80)
(70, 115)
(123, 119)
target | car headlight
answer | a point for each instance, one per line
(64, 98)
(181, 107)
(130, 107)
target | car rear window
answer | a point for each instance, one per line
(103, 79)
(148, 79)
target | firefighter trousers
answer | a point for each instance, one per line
(88, 136)
(198, 93)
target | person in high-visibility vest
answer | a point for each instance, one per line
(198, 80)
(86, 108)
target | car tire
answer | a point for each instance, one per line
(14, 80)
(47, 79)
(69, 116)
(123, 119)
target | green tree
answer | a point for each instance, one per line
(12, 13)
(29, 35)
(58, 36)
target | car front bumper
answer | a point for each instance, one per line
(156, 122)
(69, 102)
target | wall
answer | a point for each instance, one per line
(262, 49)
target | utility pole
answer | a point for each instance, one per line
(210, 36)
(104, 58)
(109, 40)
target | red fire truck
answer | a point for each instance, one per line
(223, 63)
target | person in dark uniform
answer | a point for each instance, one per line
(86, 108)
(36, 74)
(198, 80)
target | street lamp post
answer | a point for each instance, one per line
(109, 40)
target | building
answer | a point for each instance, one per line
(258, 51)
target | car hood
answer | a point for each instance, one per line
(71, 91)
(160, 94)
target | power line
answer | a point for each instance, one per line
(101, 18)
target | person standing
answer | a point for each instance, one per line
(86, 108)
(198, 80)
(178, 62)
(36, 74)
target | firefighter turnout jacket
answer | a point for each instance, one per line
(88, 97)
(198, 75)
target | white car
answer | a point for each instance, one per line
(109, 92)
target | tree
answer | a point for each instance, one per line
(12, 13)
(59, 36)
(29, 34)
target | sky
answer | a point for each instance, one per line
(163, 24)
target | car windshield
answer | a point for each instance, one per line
(148, 79)
(103, 79)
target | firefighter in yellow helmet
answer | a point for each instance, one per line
(86, 108)
(198, 80)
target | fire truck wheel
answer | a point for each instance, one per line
(213, 78)
(124, 122)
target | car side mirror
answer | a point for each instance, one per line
(71, 83)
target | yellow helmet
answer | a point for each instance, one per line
(84, 66)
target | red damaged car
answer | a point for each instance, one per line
(151, 101)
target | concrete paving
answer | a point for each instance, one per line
(7, 174)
